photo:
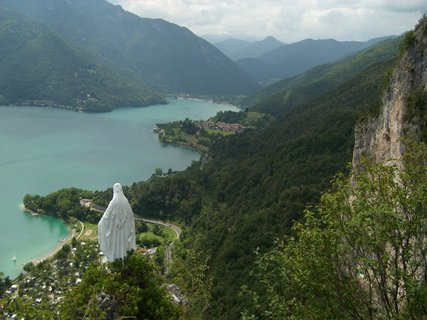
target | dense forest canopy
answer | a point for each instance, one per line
(258, 183)
(359, 254)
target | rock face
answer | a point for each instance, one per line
(116, 229)
(380, 139)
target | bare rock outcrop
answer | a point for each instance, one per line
(380, 139)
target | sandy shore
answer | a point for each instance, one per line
(58, 247)
(51, 253)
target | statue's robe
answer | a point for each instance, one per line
(116, 229)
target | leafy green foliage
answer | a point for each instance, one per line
(191, 275)
(360, 254)
(409, 41)
(5, 283)
(39, 68)
(63, 204)
(126, 289)
(177, 196)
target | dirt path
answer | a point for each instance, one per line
(178, 232)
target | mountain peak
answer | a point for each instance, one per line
(271, 40)
(238, 49)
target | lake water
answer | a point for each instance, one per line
(44, 149)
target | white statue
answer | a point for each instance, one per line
(116, 229)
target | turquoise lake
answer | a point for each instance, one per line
(45, 149)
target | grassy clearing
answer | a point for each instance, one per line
(221, 132)
(90, 232)
(252, 117)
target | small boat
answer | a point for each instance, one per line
(14, 258)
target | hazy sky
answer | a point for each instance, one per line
(287, 20)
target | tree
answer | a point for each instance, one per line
(5, 283)
(128, 288)
(73, 242)
(28, 267)
(191, 277)
(360, 254)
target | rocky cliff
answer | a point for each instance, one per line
(403, 109)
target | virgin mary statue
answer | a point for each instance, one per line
(116, 229)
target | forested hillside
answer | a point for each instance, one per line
(39, 68)
(361, 253)
(168, 57)
(257, 185)
(259, 182)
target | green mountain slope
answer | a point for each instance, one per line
(38, 68)
(278, 97)
(295, 58)
(167, 56)
(348, 259)
(268, 179)
(258, 183)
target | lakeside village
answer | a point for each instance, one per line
(197, 128)
(79, 105)
(201, 134)
(45, 282)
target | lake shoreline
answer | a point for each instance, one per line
(57, 247)
(25, 209)
(54, 150)
(203, 153)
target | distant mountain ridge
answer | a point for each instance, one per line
(166, 56)
(39, 68)
(238, 49)
(320, 79)
(291, 59)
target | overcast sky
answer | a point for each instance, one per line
(287, 20)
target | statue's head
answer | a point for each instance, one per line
(117, 189)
